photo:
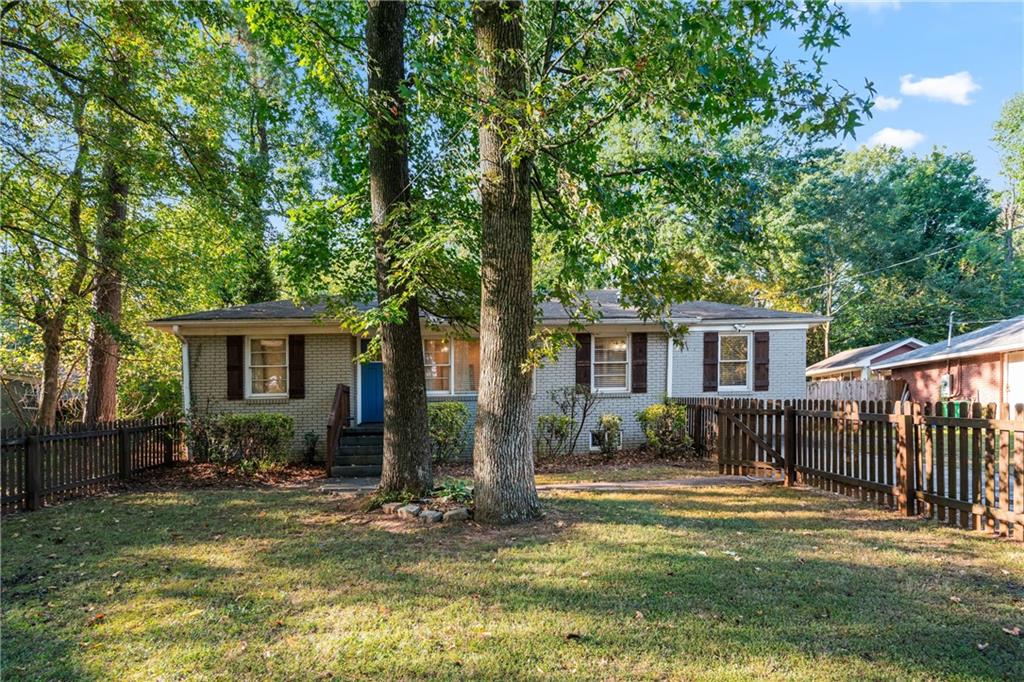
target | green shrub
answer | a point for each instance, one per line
(609, 430)
(554, 433)
(252, 442)
(664, 425)
(447, 423)
(455, 490)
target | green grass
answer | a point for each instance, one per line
(630, 472)
(284, 584)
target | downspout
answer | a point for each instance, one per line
(668, 368)
(186, 381)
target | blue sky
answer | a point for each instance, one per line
(936, 42)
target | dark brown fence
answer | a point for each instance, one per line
(961, 464)
(700, 422)
(39, 467)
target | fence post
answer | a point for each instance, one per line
(33, 474)
(789, 446)
(123, 456)
(906, 462)
(170, 438)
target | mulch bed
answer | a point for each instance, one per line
(625, 459)
(191, 475)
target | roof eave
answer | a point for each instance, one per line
(1008, 348)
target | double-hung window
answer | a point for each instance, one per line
(734, 362)
(437, 365)
(451, 366)
(611, 363)
(267, 367)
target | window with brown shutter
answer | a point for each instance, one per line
(710, 361)
(296, 366)
(638, 379)
(761, 361)
(583, 360)
(236, 374)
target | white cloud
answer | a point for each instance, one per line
(904, 138)
(883, 103)
(955, 88)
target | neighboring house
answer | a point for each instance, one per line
(279, 357)
(858, 363)
(986, 366)
(19, 399)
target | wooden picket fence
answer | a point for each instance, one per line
(45, 466)
(961, 464)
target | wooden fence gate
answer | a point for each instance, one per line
(750, 437)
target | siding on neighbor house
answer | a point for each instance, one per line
(977, 379)
(787, 357)
(328, 363)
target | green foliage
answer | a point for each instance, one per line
(447, 422)
(455, 490)
(252, 442)
(609, 429)
(664, 425)
(382, 497)
(554, 433)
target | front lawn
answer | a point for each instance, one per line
(721, 583)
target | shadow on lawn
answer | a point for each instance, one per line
(661, 554)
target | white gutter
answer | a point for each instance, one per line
(186, 379)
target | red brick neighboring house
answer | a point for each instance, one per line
(986, 366)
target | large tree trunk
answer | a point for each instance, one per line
(101, 390)
(53, 339)
(407, 465)
(504, 487)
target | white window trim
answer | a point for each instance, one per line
(248, 367)
(593, 363)
(750, 362)
(451, 367)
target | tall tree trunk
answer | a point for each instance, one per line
(104, 349)
(258, 279)
(53, 340)
(407, 465)
(504, 487)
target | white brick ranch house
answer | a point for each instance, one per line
(280, 357)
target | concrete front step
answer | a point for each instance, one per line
(360, 450)
(361, 440)
(345, 458)
(355, 470)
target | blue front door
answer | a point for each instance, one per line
(371, 390)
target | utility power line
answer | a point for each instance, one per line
(852, 278)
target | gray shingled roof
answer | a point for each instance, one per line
(855, 358)
(606, 301)
(1003, 336)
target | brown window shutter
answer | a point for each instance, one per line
(710, 361)
(583, 360)
(296, 366)
(638, 383)
(236, 373)
(760, 361)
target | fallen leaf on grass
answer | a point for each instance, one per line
(639, 615)
(1014, 631)
(573, 636)
(982, 646)
(96, 619)
(955, 600)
